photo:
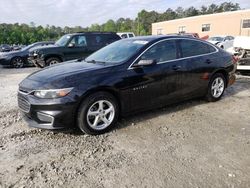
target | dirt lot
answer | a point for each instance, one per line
(192, 144)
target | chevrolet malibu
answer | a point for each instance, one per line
(125, 77)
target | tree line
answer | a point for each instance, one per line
(141, 25)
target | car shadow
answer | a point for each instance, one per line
(242, 83)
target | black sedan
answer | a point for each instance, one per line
(5, 48)
(19, 59)
(127, 76)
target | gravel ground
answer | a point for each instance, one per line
(191, 144)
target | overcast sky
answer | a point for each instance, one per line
(87, 12)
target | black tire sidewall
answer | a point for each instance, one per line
(210, 96)
(86, 104)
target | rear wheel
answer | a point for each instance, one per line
(17, 62)
(216, 87)
(98, 113)
(52, 61)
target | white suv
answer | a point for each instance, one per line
(126, 35)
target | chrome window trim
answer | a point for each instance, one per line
(216, 50)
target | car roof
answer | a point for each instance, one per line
(158, 37)
(91, 33)
(125, 33)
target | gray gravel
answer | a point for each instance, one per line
(191, 144)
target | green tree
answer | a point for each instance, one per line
(141, 25)
(110, 26)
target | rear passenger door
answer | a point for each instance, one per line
(98, 41)
(196, 63)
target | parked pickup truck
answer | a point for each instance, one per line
(71, 46)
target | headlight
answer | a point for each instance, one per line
(37, 53)
(52, 93)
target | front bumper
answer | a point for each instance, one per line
(5, 62)
(38, 62)
(47, 114)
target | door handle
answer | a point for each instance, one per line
(176, 67)
(208, 61)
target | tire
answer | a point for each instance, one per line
(216, 87)
(52, 61)
(17, 62)
(222, 47)
(98, 113)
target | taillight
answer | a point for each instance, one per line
(235, 59)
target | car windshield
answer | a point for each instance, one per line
(216, 39)
(63, 40)
(117, 52)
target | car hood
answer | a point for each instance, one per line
(45, 47)
(12, 53)
(63, 70)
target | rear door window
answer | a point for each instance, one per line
(109, 38)
(191, 48)
(161, 52)
(96, 40)
(124, 36)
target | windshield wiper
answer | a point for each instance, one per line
(94, 61)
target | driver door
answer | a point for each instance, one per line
(77, 48)
(151, 86)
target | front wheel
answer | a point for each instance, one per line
(52, 61)
(98, 113)
(17, 62)
(216, 87)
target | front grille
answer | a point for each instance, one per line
(23, 104)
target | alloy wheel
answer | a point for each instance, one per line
(218, 87)
(100, 115)
(53, 62)
(17, 62)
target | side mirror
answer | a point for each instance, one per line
(71, 45)
(146, 62)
